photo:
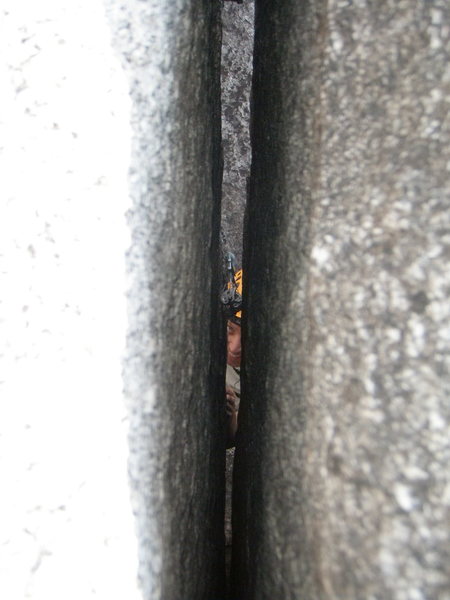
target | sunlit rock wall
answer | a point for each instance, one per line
(107, 152)
(343, 487)
(66, 525)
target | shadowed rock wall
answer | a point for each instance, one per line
(173, 367)
(342, 481)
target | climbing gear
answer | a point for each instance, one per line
(231, 297)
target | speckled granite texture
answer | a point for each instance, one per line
(237, 59)
(343, 487)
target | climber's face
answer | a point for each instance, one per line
(233, 344)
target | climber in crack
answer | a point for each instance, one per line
(233, 378)
(232, 302)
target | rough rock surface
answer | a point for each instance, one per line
(173, 369)
(342, 479)
(237, 62)
(67, 527)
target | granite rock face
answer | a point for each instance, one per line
(173, 367)
(236, 70)
(342, 480)
(67, 527)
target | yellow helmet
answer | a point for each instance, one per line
(238, 283)
(232, 293)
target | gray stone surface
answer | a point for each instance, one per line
(342, 460)
(237, 59)
(173, 367)
(70, 119)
